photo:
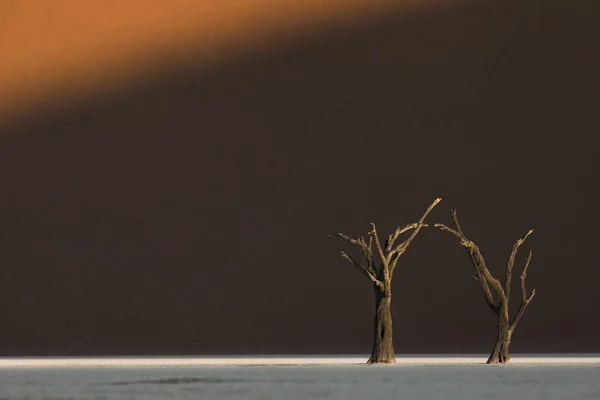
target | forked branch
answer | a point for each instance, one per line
(365, 271)
(511, 262)
(491, 286)
(395, 254)
(382, 255)
(496, 295)
(389, 242)
(369, 269)
(388, 254)
(417, 227)
(482, 275)
(524, 299)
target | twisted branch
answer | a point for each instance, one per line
(490, 285)
(482, 274)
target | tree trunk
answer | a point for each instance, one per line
(500, 353)
(383, 346)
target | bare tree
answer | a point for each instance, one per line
(496, 295)
(380, 274)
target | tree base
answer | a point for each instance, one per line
(383, 341)
(500, 354)
(498, 360)
(388, 361)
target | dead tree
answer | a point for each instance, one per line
(496, 295)
(380, 274)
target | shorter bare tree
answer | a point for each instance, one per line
(496, 295)
(380, 274)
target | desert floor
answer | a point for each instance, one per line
(301, 377)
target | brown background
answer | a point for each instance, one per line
(178, 203)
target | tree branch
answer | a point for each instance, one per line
(448, 229)
(455, 219)
(360, 242)
(384, 263)
(484, 277)
(366, 249)
(401, 248)
(482, 273)
(524, 299)
(399, 231)
(394, 257)
(511, 262)
(524, 276)
(369, 256)
(362, 269)
(357, 242)
(381, 277)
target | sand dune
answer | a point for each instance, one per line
(51, 49)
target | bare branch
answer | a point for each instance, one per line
(388, 256)
(511, 262)
(482, 274)
(455, 219)
(395, 254)
(524, 299)
(401, 248)
(484, 277)
(362, 269)
(392, 256)
(389, 241)
(399, 231)
(366, 248)
(369, 256)
(384, 262)
(393, 261)
(357, 242)
(519, 314)
(524, 276)
(452, 231)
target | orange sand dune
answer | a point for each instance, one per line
(50, 49)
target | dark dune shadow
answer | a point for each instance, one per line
(213, 380)
(189, 215)
(181, 381)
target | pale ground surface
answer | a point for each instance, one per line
(422, 377)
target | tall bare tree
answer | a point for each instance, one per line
(379, 267)
(496, 295)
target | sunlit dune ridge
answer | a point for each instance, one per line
(50, 49)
